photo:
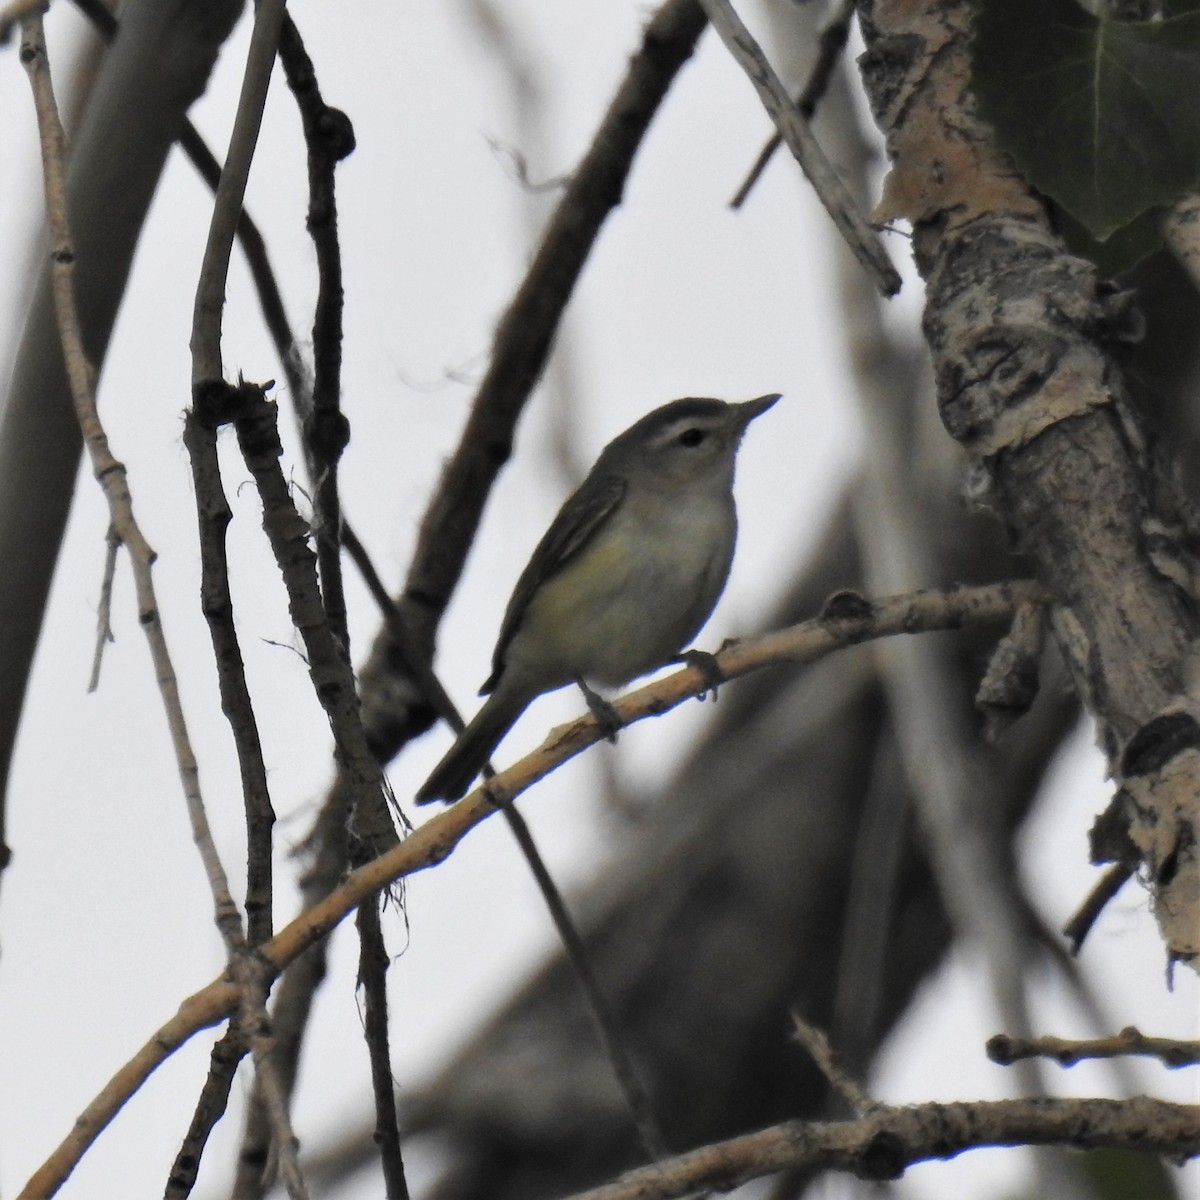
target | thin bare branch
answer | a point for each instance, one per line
(328, 138)
(216, 602)
(104, 632)
(210, 1108)
(795, 131)
(1172, 1052)
(110, 472)
(112, 477)
(256, 422)
(830, 44)
(210, 290)
(880, 1146)
(373, 963)
(848, 619)
(1105, 889)
(820, 1051)
(637, 1099)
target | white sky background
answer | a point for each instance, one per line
(104, 913)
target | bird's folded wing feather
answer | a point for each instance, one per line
(576, 524)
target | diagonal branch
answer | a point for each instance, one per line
(848, 619)
(795, 131)
(830, 44)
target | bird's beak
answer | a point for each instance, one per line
(750, 409)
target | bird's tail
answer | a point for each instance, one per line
(473, 747)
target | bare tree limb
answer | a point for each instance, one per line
(373, 964)
(256, 422)
(214, 269)
(227, 1053)
(625, 1069)
(216, 602)
(109, 471)
(830, 44)
(881, 1145)
(132, 117)
(111, 474)
(1172, 1052)
(848, 619)
(794, 129)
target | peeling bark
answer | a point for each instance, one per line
(1020, 333)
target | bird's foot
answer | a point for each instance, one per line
(603, 712)
(707, 665)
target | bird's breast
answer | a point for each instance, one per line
(635, 595)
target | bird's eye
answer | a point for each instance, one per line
(692, 437)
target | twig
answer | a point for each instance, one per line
(249, 238)
(361, 818)
(830, 44)
(210, 1108)
(820, 1051)
(373, 965)
(216, 602)
(112, 477)
(793, 128)
(1172, 1052)
(214, 268)
(109, 471)
(880, 1146)
(206, 342)
(855, 622)
(255, 421)
(328, 137)
(636, 1097)
(1105, 889)
(214, 515)
(104, 633)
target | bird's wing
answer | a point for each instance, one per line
(577, 522)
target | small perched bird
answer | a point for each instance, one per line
(623, 579)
